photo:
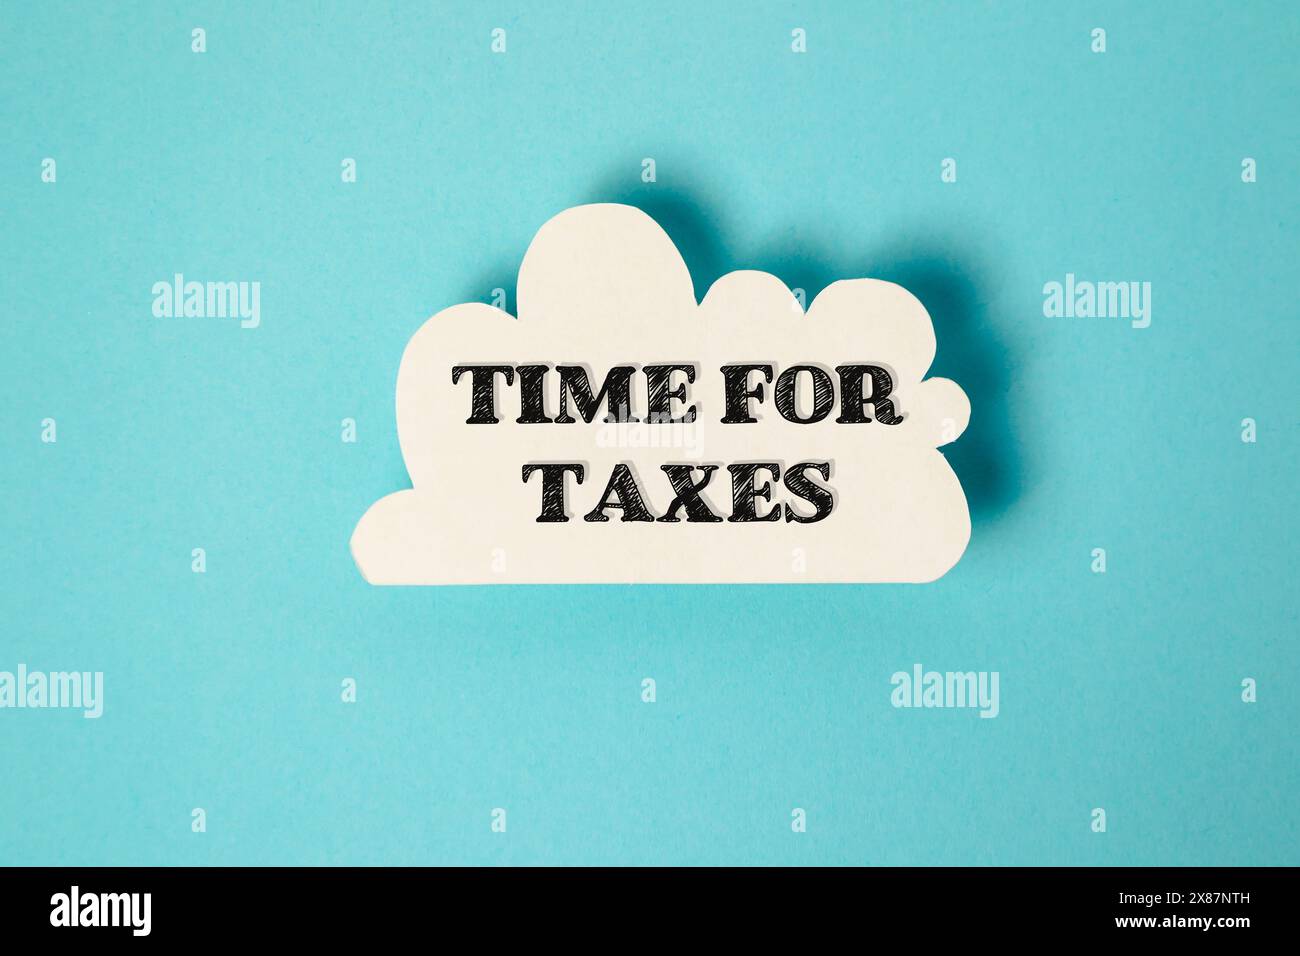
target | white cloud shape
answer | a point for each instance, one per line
(603, 285)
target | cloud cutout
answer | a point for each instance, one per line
(603, 285)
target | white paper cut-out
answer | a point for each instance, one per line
(603, 291)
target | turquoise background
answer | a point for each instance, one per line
(1119, 690)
